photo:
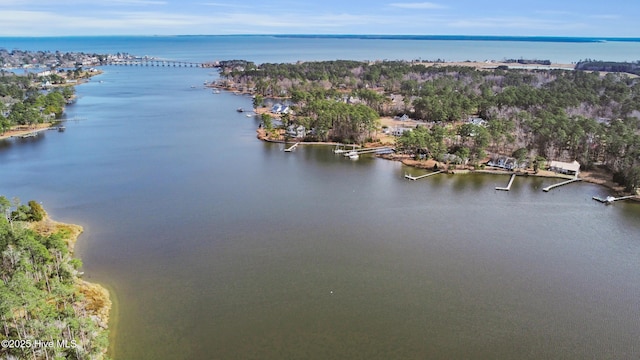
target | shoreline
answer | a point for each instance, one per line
(596, 174)
(614, 188)
(263, 136)
(93, 298)
(19, 131)
(22, 130)
(590, 176)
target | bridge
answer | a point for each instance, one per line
(160, 63)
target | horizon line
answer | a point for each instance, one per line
(554, 38)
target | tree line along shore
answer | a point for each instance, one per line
(46, 309)
(32, 102)
(460, 116)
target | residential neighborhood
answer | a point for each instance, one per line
(43, 61)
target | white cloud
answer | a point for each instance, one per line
(420, 5)
(136, 2)
(80, 3)
(516, 22)
(566, 14)
(605, 17)
(12, 23)
(48, 23)
(129, 20)
(223, 5)
(555, 13)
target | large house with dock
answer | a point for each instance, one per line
(504, 162)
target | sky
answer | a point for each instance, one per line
(589, 18)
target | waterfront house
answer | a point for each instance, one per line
(572, 168)
(296, 131)
(279, 109)
(451, 159)
(504, 162)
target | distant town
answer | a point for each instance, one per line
(21, 59)
(40, 62)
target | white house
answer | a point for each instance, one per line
(565, 168)
(398, 131)
(279, 109)
(297, 131)
(477, 121)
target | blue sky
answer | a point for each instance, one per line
(612, 18)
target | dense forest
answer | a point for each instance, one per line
(46, 312)
(550, 114)
(23, 102)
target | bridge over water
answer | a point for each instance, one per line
(161, 63)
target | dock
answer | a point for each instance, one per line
(407, 176)
(341, 149)
(292, 147)
(31, 134)
(377, 150)
(548, 188)
(508, 187)
(610, 199)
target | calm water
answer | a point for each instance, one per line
(263, 49)
(218, 246)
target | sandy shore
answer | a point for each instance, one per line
(23, 130)
(490, 64)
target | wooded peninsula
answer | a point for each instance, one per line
(46, 310)
(464, 115)
(29, 100)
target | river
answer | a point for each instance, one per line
(218, 246)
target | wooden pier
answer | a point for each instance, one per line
(610, 199)
(378, 150)
(407, 176)
(548, 188)
(33, 133)
(292, 147)
(342, 148)
(508, 187)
